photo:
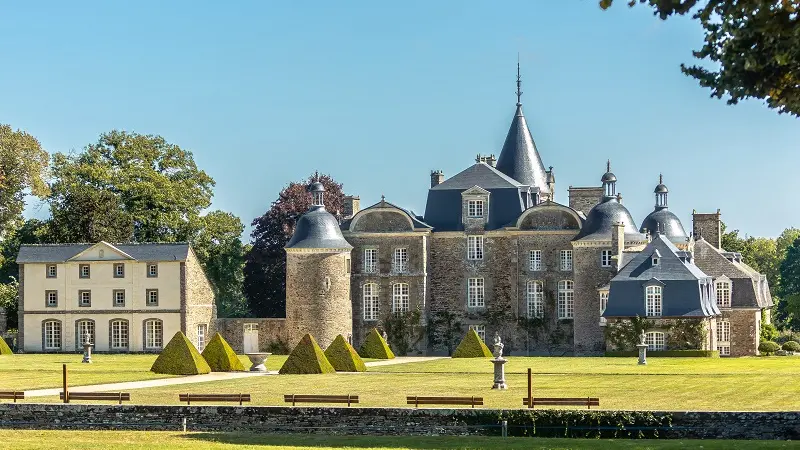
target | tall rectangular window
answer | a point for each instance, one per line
(400, 260)
(119, 270)
(152, 270)
(480, 329)
(566, 299)
(475, 293)
(370, 297)
(535, 260)
(370, 260)
(723, 293)
(119, 298)
(153, 334)
(84, 299)
(603, 305)
(653, 301)
(84, 271)
(151, 296)
(52, 271)
(605, 258)
(202, 331)
(724, 337)
(119, 334)
(400, 300)
(84, 328)
(52, 335)
(535, 299)
(51, 299)
(474, 247)
(566, 260)
(475, 208)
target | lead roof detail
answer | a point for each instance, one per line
(317, 228)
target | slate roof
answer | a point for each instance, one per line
(601, 219)
(317, 228)
(519, 158)
(745, 291)
(479, 174)
(55, 253)
(415, 219)
(667, 222)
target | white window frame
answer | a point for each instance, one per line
(566, 299)
(400, 260)
(603, 305)
(370, 298)
(370, 260)
(480, 329)
(88, 271)
(534, 293)
(119, 270)
(535, 260)
(48, 295)
(724, 291)
(565, 260)
(81, 326)
(117, 302)
(475, 248)
(152, 270)
(724, 337)
(475, 209)
(153, 334)
(654, 301)
(52, 271)
(476, 292)
(400, 298)
(52, 335)
(149, 295)
(120, 334)
(202, 334)
(85, 298)
(605, 258)
(655, 340)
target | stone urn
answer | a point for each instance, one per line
(257, 361)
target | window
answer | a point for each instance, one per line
(152, 271)
(370, 260)
(51, 331)
(480, 329)
(655, 341)
(603, 305)
(52, 271)
(535, 298)
(475, 293)
(202, 331)
(370, 295)
(119, 297)
(118, 329)
(723, 293)
(51, 299)
(605, 258)
(347, 265)
(83, 328)
(474, 247)
(475, 208)
(152, 297)
(400, 260)
(724, 350)
(84, 299)
(84, 271)
(400, 301)
(566, 299)
(724, 337)
(535, 260)
(119, 270)
(153, 334)
(653, 301)
(566, 260)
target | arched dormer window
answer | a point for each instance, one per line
(655, 258)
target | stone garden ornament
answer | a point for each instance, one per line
(499, 364)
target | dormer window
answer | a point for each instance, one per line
(656, 258)
(655, 261)
(475, 208)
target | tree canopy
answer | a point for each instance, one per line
(753, 47)
(23, 169)
(789, 309)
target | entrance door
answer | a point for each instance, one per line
(250, 340)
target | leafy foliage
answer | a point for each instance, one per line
(404, 330)
(791, 346)
(23, 168)
(180, 357)
(265, 265)
(444, 329)
(343, 357)
(306, 358)
(585, 423)
(686, 334)
(753, 47)
(768, 347)
(375, 347)
(4, 348)
(472, 346)
(278, 347)
(220, 356)
(624, 334)
(789, 308)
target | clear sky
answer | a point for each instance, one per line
(377, 94)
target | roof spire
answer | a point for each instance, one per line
(608, 165)
(661, 178)
(519, 84)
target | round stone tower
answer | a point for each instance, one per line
(318, 277)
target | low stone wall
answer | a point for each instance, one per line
(270, 331)
(402, 421)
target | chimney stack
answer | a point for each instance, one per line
(437, 178)
(352, 205)
(618, 243)
(707, 226)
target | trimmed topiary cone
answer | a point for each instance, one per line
(472, 346)
(4, 348)
(220, 356)
(306, 358)
(343, 356)
(375, 347)
(180, 357)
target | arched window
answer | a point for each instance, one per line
(51, 335)
(655, 340)
(84, 327)
(535, 299)
(566, 299)
(153, 334)
(400, 302)
(723, 293)
(118, 335)
(370, 296)
(653, 301)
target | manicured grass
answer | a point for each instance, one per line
(19, 439)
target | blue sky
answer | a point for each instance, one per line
(377, 94)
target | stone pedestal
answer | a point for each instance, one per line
(87, 351)
(642, 354)
(499, 373)
(257, 360)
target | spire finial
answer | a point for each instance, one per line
(519, 84)
(660, 178)
(608, 166)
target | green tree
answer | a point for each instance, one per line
(23, 169)
(789, 307)
(753, 47)
(786, 240)
(444, 330)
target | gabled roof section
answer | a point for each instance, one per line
(102, 245)
(670, 266)
(59, 253)
(479, 174)
(416, 222)
(475, 190)
(519, 158)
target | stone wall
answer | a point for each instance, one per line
(402, 421)
(745, 332)
(270, 332)
(707, 226)
(589, 276)
(199, 304)
(3, 320)
(583, 199)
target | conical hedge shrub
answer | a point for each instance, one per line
(4, 348)
(220, 356)
(375, 347)
(180, 357)
(343, 356)
(472, 346)
(306, 358)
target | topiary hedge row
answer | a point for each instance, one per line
(668, 353)
(343, 356)
(375, 347)
(220, 356)
(180, 357)
(472, 346)
(4, 348)
(768, 347)
(789, 346)
(306, 358)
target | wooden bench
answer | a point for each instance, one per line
(189, 398)
(295, 398)
(12, 395)
(417, 400)
(108, 396)
(588, 402)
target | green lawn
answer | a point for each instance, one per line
(19, 439)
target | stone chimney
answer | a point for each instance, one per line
(490, 160)
(583, 199)
(437, 178)
(352, 205)
(707, 226)
(618, 243)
